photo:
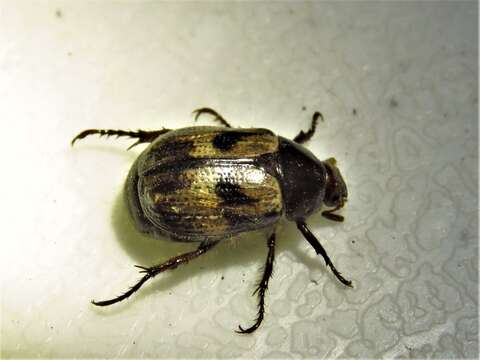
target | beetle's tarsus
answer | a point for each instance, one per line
(126, 294)
(83, 134)
(134, 144)
(217, 116)
(247, 330)
(142, 135)
(262, 287)
(342, 279)
(303, 136)
(152, 271)
(302, 226)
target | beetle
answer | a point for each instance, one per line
(204, 184)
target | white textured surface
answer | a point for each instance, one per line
(409, 156)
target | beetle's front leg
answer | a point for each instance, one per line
(321, 251)
(262, 287)
(303, 136)
(150, 272)
(216, 115)
(142, 135)
(329, 214)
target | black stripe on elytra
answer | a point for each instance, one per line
(237, 219)
(177, 149)
(247, 222)
(226, 140)
(168, 155)
(231, 194)
(168, 186)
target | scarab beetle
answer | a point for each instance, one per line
(204, 184)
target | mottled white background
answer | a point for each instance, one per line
(409, 154)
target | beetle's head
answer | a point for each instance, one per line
(336, 193)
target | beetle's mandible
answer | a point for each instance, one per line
(204, 184)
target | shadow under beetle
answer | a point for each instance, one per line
(207, 183)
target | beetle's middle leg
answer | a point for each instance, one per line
(217, 116)
(303, 136)
(142, 135)
(151, 272)
(262, 287)
(321, 251)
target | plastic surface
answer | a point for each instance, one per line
(397, 85)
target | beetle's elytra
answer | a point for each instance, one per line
(204, 184)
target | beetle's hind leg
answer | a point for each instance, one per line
(151, 272)
(303, 136)
(142, 135)
(262, 287)
(217, 116)
(321, 251)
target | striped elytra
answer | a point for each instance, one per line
(209, 183)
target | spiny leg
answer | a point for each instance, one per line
(262, 287)
(302, 136)
(150, 272)
(142, 135)
(217, 116)
(320, 250)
